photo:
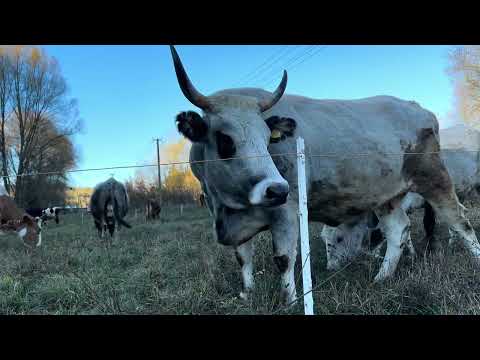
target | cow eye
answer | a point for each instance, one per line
(225, 145)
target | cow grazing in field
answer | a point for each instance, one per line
(346, 242)
(260, 191)
(15, 220)
(152, 209)
(52, 213)
(464, 168)
(44, 214)
(109, 205)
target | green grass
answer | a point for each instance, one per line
(174, 266)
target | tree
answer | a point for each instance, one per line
(464, 70)
(5, 89)
(36, 119)
(52, 152)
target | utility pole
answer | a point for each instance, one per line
(158, 169)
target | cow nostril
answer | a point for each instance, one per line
(270, 193)
(276, 191)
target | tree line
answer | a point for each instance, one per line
(179, 186)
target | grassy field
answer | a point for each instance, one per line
(174, 266)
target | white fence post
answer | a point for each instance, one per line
(303, 221)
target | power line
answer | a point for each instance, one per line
(254, 71)
(290, 50)
(293, 63)
(274, 72)
(312, 54)
(352, 155)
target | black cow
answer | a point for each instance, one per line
(108, 205)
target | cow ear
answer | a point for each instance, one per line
(192, 126)
(281, 127)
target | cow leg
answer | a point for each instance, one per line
(376, 252)
(410, 247)
(452, 237)
(395, 226)
(429, 226)
(99, 226)
(244, 254)
(451, 211)
(328, 236)
(39, 242)
(432, 180)
(285, 237)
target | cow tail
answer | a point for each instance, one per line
(117, 214)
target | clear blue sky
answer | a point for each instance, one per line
(127, 95)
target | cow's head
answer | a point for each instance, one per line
(232, 126)
(50, 212)
(347, 241)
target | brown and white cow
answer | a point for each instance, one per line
(460, 147)
(15, 220)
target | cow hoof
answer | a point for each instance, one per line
(333, 267)
(244, 295)
(379, 278)
(288, 299)
(451, 241)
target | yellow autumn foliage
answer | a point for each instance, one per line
(79, 197)
(177, 151)
(179, 179)
(35, 55)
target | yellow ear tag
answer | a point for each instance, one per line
(276, 134)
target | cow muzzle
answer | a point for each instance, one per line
(269, 193)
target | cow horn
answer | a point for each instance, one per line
(267, 104)
(186, 86)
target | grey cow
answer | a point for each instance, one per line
(109, 205)
(257, 190)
